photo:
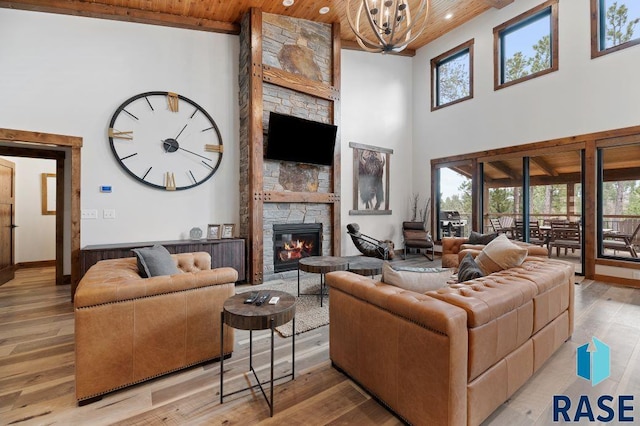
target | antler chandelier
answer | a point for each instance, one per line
(387, 27)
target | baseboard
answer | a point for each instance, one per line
(36, 264)
(629, 282)
(66, 279)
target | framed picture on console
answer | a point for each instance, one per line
(213, 232)
(370, 179)
(228, 229)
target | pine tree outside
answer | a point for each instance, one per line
(619, 21)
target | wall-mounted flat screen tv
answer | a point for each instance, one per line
(300, 140)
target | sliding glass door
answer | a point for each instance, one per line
(619, 202)
(502, 200)
(537, 199)
(453, 213)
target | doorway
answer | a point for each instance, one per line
(66, 151)
(7, 209)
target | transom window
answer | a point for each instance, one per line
(526, 46)
(452, 76)
(615, 25)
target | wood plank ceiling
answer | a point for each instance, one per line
(224, 15)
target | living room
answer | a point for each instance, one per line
(67, 75)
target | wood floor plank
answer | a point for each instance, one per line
(37, 367)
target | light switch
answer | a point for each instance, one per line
(89, 214)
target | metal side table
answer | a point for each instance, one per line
(237, 314)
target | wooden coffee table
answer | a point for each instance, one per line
(244, 316)
(321, 265)
(366, 266)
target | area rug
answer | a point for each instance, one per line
(309, 314)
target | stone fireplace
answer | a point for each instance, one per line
(290, 66)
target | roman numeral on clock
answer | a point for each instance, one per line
(172, 101)
(170, 181)
(116, 134)
(213, 148)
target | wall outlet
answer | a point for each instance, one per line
(89, 214)
(109, 214)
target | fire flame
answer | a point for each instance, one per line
(295, 250)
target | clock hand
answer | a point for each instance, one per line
(172, 145)
(191, 152)
(185, 126)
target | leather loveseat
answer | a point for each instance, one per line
(450, 356)
(455, 248)
(129, 329)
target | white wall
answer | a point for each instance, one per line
(376, 100)
(583, 96)
(67, 75)
(35, 236)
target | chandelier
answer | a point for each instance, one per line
(387, 27)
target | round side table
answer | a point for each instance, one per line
(366, 266)
(248, 316)
(321, 265)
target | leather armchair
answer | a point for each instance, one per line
(416, 237)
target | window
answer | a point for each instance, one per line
(615, 25)
(452, 76)
(526, 46)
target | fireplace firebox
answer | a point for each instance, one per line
(294, 241)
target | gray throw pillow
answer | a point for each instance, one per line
(478, 238)
(155, 261)
(468, 269)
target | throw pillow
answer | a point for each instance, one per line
(468, 269)
(478, 238)
(419, 280)
(155, 261)
(500, 254)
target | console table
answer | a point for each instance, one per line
(224, 252)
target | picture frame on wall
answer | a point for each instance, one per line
(370, 179)
(213, 232)
(228, 230)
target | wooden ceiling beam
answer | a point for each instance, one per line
(462, 172)
(546, 167)
(611, 175)
(498, 4)
(118, 13)
(504, 168)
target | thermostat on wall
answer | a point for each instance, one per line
(105, 188)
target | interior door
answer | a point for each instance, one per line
(7, 209)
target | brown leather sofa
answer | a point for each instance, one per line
(129, 329)
(455, 248)
(450, 356)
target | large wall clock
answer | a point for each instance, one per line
(165, 140)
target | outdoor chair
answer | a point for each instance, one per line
(370, 246)
(535, 236)
(565, 235)
(620, 241)
(500, 228)
(416, 237)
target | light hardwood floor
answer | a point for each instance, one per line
(37, 370)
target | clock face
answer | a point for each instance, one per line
(165, 140)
